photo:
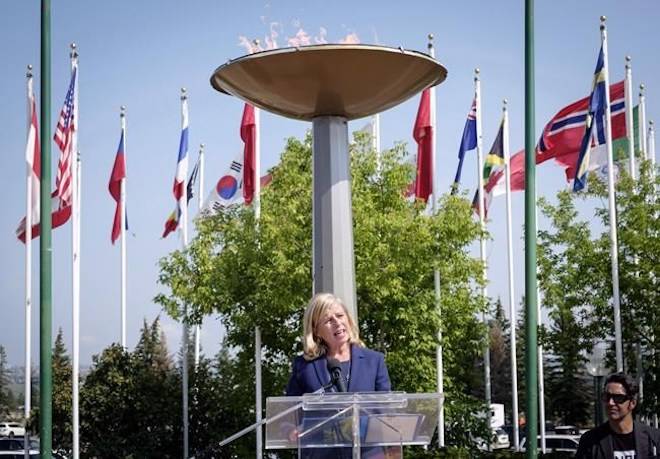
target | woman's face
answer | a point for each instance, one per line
(333, 327)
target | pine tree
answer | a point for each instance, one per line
(5, 402)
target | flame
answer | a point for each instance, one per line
(271, 39)
(249, 45)
(320, 39)
(300, 39)
(350, 39)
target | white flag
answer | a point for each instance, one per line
(228, 190)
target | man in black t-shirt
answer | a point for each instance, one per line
(620, 437)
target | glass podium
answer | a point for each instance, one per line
(351, 425)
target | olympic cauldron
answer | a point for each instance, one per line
(330, 85)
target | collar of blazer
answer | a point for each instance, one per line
(321, 367)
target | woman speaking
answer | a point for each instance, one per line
(334, 360)
(331, 335)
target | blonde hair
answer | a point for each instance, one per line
(313, 345)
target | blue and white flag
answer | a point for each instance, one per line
(468, 142)
(595, 127)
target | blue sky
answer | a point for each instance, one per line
(140, 54)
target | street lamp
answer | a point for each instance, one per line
(596, 367)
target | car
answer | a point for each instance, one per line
(567, 430)
(556, 442)
(13, 447)
(11, 429)
(500, 439)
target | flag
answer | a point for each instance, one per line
(562, 136)
(65, 138)
(172, 222)
(190, 188)
(423, 135)
(249, 137)
(595, 123)
(33, 162)
(117, 175)
(493, 169)
(228, 190)
(468, 142)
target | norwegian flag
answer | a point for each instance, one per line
(65, 138)
(562, 136)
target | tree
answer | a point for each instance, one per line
(500, 358)
(5, 402)
(638, 232)
(570, 277)
(62, 401)
(62, 396)
(261, 274)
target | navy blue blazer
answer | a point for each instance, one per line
(368, 373)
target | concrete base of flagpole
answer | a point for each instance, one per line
(333, 257)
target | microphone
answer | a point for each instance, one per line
(334, 368)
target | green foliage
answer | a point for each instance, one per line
(576, 280)
(62, 399)
(500, 359)
(638, 224)
(570, 276)
(131, 402)
(260, 274)
(5, 397)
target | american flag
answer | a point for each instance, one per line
(64, 138)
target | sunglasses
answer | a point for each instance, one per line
(618, 398)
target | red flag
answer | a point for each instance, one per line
(33, 160)
(114, 187)
(249, 137)
(423, 135)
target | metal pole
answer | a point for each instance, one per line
(651, 143)
(332, 214)
(45, 250)
(122, 200)
(183, 204)
(75, 258)
(530, 238)
(29, 156)
(436, 273)
(630, 124)
(257, 330)
(482, 242)
(614, 247)
(512, 301)
(642, 122)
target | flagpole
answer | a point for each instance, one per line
(651, 144)
(184, 239)
(122, 234)
(531, 320)
(630, 124)
(257, 330)
(642, 122)
(200, 200)
(28, 258)
(512, 301)
(614, 247)
(45, 250)
(482, 241)
(539, 353)
(440, 383)
(75, 235)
